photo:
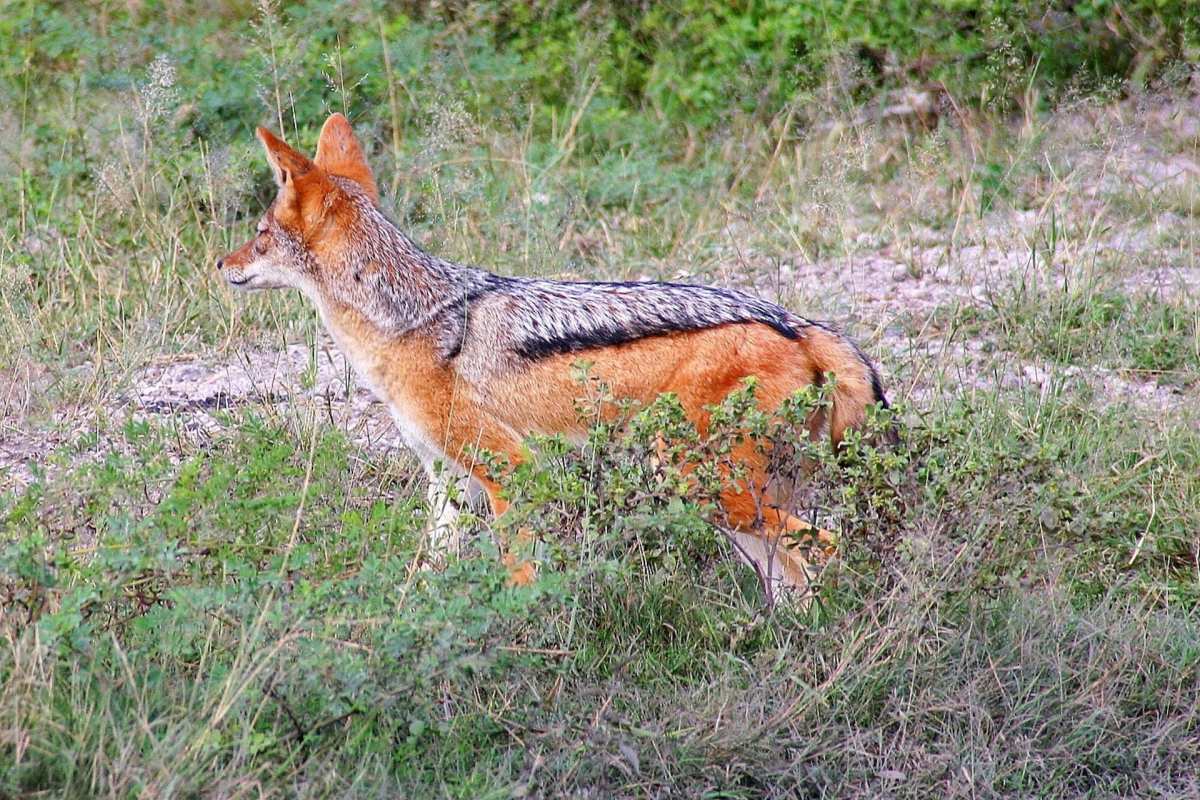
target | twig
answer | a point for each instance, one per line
(1137, 549)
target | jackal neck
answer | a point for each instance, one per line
(396, 285)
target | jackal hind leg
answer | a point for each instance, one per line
(776, 545)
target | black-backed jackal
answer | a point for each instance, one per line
(467, 360)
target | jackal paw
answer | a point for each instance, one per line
(521, 571)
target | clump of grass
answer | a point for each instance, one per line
(255, 613)
(1092, 324)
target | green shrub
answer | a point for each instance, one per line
(690, 63)
(252, 613)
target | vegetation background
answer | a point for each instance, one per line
(209, 535)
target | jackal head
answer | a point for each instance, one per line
(299, 242)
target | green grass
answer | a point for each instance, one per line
(250, 613)
(200, 601)
(1131, 333)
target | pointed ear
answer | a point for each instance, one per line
(339, 153)
(287, 164)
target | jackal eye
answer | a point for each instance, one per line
(261, 243)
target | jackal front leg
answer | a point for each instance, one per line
(443, 528)
(516, 548)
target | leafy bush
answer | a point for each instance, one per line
(692, 63)
(255, 612)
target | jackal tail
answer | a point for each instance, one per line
(857, 385)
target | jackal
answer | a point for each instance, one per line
(468, 360)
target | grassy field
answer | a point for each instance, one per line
(210, 535)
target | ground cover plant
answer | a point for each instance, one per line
(210, 534)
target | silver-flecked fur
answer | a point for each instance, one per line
(475, 314)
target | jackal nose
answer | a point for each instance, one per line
(220, 264)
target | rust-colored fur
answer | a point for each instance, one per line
(464, 364)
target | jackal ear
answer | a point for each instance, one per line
(339, 153)
(287, 163)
